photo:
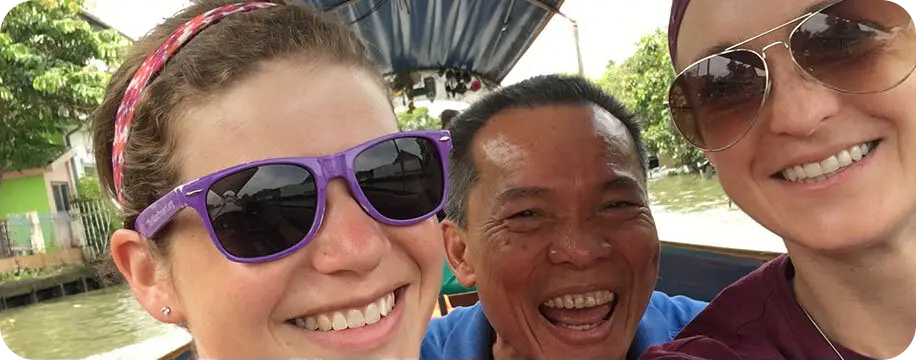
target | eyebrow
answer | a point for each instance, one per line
(514, 194)
(624, 182)
(723, 46)
(620, 182)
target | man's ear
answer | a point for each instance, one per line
(148, 281)
(457, 253)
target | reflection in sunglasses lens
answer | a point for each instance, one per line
(263, 210)
(716, 100)
(857, 46)
(401, 178)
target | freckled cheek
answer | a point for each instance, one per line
(200, 272)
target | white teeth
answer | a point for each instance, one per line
(351, 318)
(820, 171)
(580, 327)
(830, 165)
(372, 314)
(844, 158)
(324, 323)
(590, 299)
(355, 319)
(856, 153)
(338, 321)
(812, 170)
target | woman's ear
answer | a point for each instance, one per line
(146, 275)
(456, 252)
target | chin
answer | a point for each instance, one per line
(838, 234)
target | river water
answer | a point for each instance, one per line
(686, 209)
(80, 326)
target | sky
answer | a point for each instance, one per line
(608, 30)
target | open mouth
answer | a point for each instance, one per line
(816, 172)
(351, 318)
(579, 312)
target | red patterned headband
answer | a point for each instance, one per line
(150, 67)
(678, 8)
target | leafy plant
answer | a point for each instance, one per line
(419, 119)
(53, 72)
(641, 82)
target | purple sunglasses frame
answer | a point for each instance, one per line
(324, 168)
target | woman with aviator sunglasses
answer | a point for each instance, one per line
(272, 218)
(806, 109)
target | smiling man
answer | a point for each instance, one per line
(549, 218)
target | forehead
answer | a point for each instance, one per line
(710, 23)
(551, 142)
(286, 109)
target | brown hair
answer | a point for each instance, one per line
(216, 58)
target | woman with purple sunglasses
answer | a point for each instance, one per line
(806, 110)
(271, 217)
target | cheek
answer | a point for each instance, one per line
(422, 243)
(638, 245)
(210, 287)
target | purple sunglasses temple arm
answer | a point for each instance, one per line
(158, 214)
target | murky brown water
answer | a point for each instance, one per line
(79, 326)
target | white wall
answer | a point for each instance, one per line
(81, 142)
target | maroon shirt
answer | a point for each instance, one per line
(757, 317)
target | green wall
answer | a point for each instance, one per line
(26, 194)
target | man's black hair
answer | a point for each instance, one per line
(535, 92)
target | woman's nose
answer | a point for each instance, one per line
(797, 105)
(349, 240)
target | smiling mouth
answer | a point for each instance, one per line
(579, 312)
(816, 172)
(351, 318)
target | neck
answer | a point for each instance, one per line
(862, 300)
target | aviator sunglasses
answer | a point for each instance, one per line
(264, 210)
(850, 46)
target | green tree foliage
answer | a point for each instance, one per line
(419, 119)
(53, 72)
(641, 83)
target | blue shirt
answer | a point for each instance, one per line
(465, 333)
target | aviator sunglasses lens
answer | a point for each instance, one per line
(715, 101)
(262, 211)
(402, 178)
(857, 46)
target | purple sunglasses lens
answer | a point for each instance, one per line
(263, 210)
(401, 178)
(266, 210)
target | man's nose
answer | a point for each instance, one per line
(349, 240)
(797, 106)
(579, 247)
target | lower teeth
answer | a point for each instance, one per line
(580, 327)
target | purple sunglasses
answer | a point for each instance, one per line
(265, 210)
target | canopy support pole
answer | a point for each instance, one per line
(575, 29)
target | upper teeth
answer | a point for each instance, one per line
(350, 318)
(590, 299)
(818, 171)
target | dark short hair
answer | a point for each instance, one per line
(447, 116)
(535, 92)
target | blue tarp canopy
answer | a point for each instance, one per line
(486, 37)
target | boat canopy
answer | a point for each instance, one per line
(484, 37)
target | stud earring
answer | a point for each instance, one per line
(166, 311)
